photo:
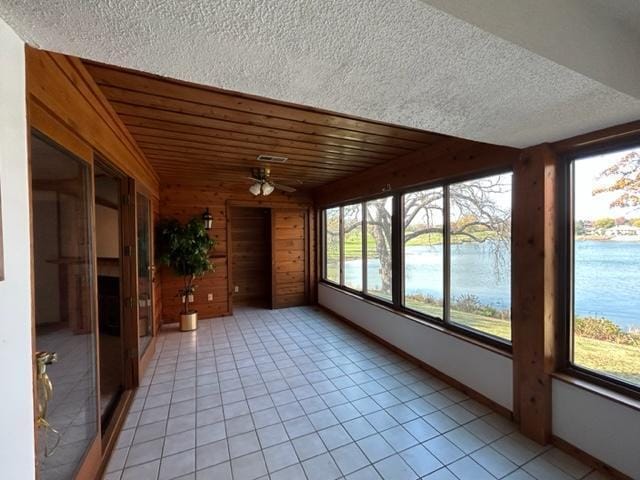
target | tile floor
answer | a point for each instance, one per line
(295, 394)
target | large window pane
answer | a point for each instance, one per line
(352, 221)
(480, 255)
(606, 246)
(423, 251)
(379, 214)
(332, 244)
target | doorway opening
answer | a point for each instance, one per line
(251, 256)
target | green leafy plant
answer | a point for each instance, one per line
(185, 249)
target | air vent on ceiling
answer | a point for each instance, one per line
(271, 159)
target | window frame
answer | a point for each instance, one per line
(323, 250)
(566, 274)
(397, 252)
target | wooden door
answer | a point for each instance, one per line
(289, 257)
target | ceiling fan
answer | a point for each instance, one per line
(264, 184)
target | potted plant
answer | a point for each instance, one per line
(185, 249)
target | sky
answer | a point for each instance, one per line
(588, 206)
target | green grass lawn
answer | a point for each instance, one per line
(610, 358)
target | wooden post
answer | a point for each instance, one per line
(535, 253)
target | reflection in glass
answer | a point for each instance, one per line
(606, 276)
(332, 244)
(379, 263)
(62, 262)
(352, 221)
(107, 221)
(145, 273)
(480, 252)
(423, 251)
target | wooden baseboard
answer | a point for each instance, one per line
(496, 407)
(587, 459)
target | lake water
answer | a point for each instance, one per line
(603, 270)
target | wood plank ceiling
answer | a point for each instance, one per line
(192, 133)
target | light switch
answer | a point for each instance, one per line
(210, 297)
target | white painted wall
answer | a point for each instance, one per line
(604, 429)
(16, 403)
(488, 373)
(597, 38)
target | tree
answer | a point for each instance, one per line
(625, 179)
(604, 223)
(476, 212)
(185, 249)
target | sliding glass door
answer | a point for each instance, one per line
(145, 272)
(66, 387)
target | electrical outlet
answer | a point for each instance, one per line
(236, 289)
(210, 297)
(191, 298)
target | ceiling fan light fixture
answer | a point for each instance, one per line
(267, 189)
(255, 189)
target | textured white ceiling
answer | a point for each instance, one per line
(396, 61)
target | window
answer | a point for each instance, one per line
(378, 241)
(479, 236)
(423, 251)
(352, 247)
(605, 245)
(451, 261)
(332, 245)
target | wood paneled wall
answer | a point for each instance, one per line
(453, 157)
(251, 255)
(62, 91)
(290, 257)
(183, 202)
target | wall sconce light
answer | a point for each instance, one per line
(207, 218)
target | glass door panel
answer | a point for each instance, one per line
(108, 224)
(64, 309)
(145, 271)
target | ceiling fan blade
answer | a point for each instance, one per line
(254, 179)
(284, 188)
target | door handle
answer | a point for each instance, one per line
(45, 392)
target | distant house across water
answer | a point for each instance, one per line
(621, 231)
